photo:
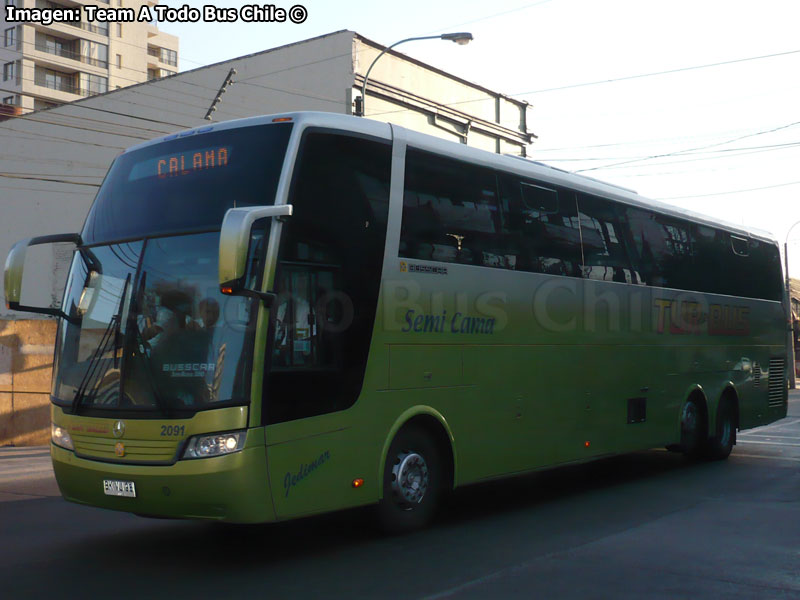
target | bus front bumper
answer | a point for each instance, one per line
(229, 488)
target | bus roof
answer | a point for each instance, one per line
(516, 164)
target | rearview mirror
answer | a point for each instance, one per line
(234, 245)
(34, 281)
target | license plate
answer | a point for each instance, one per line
(114, 487)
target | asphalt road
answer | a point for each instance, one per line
(647, 525)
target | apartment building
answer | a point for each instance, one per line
(48, 65)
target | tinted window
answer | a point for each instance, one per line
(765, 267)
(606, 236)
(188, 183)
(540, 226)
(760, 272)
(328, 276)
(450, 213)
(663, 246)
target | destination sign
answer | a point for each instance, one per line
(183, 163)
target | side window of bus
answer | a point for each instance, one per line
(450, 213)
(540, 226)
(764, 274)
(740, 266)
(606, 237)
(328, 276)
(717, 267)
(663, 246)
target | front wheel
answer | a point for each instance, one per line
(412, 482)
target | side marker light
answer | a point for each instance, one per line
(357, 483)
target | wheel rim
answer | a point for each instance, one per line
(725, 434)
(725, 427)
(410, 478)
(689, 419)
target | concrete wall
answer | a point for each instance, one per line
(26, 359)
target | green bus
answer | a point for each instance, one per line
(287, 315)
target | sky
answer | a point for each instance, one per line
(692, 102)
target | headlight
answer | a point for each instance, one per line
(204, 446)
(60, 437)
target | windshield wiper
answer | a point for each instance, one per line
(110, 336)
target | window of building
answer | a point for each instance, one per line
(119, 28)
(55, 80)
(56, 45)
(169, 56)
(119, 61)
(93, 84)
(39, 104)
(11, 2)
(94, 53)
(10, 100)
(9, 71)
(10, 37)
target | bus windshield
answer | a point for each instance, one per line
(148, 329)
(188, 183)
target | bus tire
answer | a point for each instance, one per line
(719, 445)
(413, 479)
(693, 429)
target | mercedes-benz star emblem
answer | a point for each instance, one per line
(119, 429)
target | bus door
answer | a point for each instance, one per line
(327, 279)
(302, 316)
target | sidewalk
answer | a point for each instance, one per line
(26, 473)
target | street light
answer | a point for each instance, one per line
(792, 375)
(461, 38)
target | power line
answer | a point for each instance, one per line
(48, 180)
(53, 191)
(740, 191)
(656, 73)
(690, 150)
(745, 150)
(630, 77)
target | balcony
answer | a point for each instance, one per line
(99, 28)
(164, 55)
(58, 51)
(60, 86)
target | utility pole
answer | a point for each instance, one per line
(790, 349)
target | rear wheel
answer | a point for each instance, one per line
(719, 446)
(693, 429)
(412, 482)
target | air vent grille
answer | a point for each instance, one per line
(776, 382)
(756, 374)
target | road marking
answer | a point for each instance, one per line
(766, 443)
(766, 456)
(770, 435)
(776, 425)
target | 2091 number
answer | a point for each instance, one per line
(173, 430)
